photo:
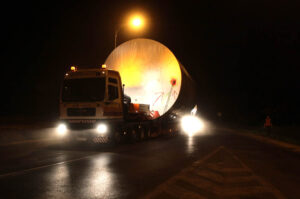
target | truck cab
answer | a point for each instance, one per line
(89, 98)
(91, 94)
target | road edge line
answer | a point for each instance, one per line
(15, 173)
(281, 144)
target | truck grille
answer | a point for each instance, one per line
(80, 126)
(81, 111)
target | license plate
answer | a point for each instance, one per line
(81, 139)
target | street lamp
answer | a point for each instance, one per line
(135, 22)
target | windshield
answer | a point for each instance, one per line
(83, 90)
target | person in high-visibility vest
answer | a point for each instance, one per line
(268, 124)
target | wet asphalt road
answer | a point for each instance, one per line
(216, 164)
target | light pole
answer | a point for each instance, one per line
(136, 22)
(116, 35)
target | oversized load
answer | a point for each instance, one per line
(152, 75)
(94, 108)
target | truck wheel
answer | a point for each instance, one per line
(116, 137)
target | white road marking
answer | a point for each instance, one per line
(175, 192)
(217, 175)
(44, 166)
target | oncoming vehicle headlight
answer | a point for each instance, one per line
(61, 129)
(191, 124)
(101, 128)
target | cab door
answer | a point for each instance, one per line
(113, 103)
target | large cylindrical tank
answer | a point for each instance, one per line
(152, 75)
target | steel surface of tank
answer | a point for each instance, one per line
(152, 75)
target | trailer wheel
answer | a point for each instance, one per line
(142, 134)
(133, 135)
(148, 133)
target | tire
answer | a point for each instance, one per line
(133, 135)
(148, 133)
(116, 138)
(142, 134)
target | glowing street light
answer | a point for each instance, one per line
(135, 22)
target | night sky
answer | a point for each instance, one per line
(244, 55)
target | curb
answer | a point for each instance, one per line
(246, 133)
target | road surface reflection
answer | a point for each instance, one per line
(97, 180)
(59, 182)
(100, 179)
(190, 144)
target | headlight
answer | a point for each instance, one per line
(61, 129)
(191, 124)
(101, 128)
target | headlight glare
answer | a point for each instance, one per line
(61, 129)
(191, 124)
(101, 128)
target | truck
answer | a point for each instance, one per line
(108, 104)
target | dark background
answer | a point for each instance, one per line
(244, 55)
